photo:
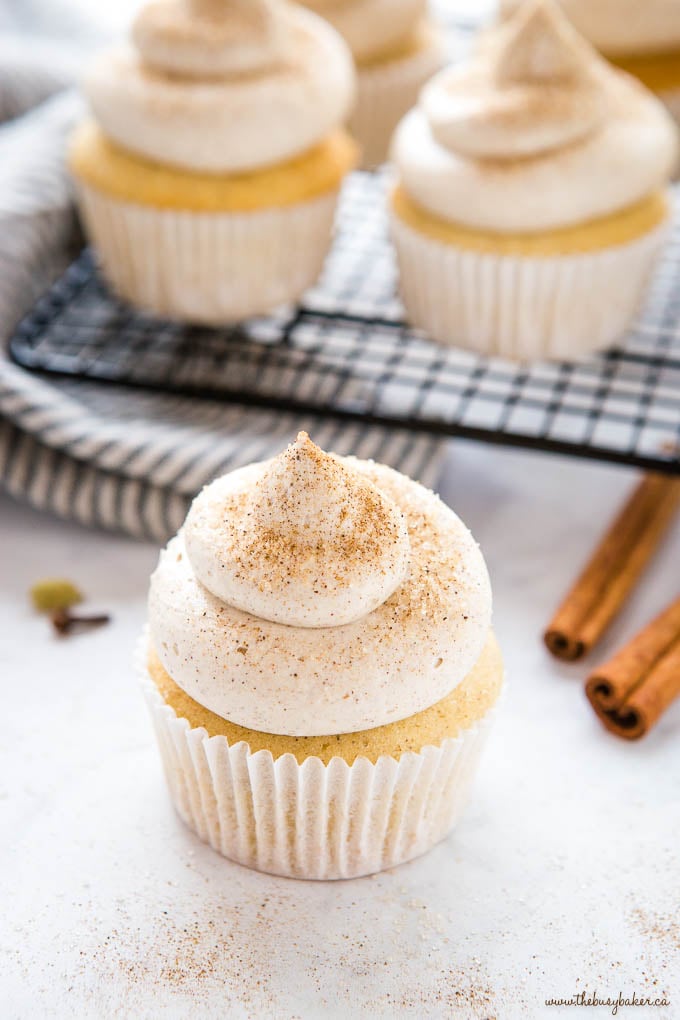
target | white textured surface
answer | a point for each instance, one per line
(562, 875)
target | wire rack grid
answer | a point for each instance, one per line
(346, 351)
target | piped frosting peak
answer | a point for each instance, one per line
(535, 86)
(211, 38)
(308, 543)
(622, 28)
(541, 48)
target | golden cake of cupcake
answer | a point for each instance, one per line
(639, 36)
(396, 48)
(532, 194)
(320, 665)
(209, 172)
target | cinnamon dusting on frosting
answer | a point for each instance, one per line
(210, 38)
(308, 525)
(356, 521)
(534, 87)
(222, 87)
(542, 47)
(621, 28)
(523, 138)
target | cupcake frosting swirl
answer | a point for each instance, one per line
(312, 544)
(371, 27)
(621, 27)
(223, 86)
(210, 38)
(526, 136)
(538, 89)
(313, 594)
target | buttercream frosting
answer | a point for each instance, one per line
(371, 27)
(536, 132)
(223, 86)
(394, 558)
(307, 541)
(198, 39)
(621, 27)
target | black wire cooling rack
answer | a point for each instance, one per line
(347, 352)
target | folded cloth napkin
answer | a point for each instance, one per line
(106, 456)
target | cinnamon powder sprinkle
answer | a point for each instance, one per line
(281, 532)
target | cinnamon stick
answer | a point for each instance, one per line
(613, 569)
(632, 690)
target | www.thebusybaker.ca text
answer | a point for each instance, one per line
(592, 999)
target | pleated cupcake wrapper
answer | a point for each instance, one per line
(313, 821)
(208, 267)
(671, 99)
(385, 93)
(521, 307)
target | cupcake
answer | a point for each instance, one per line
(641, 37)
(531, 198)
(396, 48)
(209, 173)
(320, 666)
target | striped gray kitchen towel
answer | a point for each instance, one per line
(104, 456)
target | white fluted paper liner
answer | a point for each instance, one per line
(671, 100)
(520, 307)
(312, 820)
(385, 93)
(208, 267)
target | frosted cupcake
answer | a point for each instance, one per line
(320, 669)
(209, 173)
(532, 195)
(396, 48)
(639, 36)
